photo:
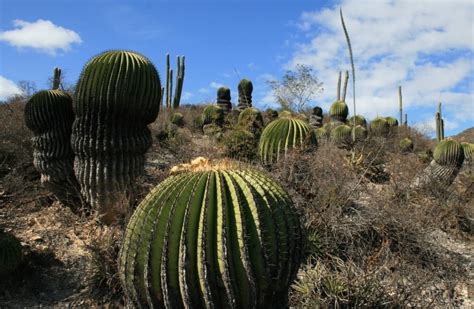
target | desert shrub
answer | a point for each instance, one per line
(240, 144)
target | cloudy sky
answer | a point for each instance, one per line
(426, 46)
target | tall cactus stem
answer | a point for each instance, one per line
(339, 87)
(442, 129)
(179, 81)
(400, 102)
(438, 126)
(351, 58)
(406, 120)
(168, 81)
(56, 78)
(344, 89)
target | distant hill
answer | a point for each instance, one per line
(465, 136)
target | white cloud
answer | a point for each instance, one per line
(215, 85)
(203, 90)
(425, 47)
(41, 35)
(186, 95)
(8, 89)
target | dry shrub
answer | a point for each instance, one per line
(366, 244)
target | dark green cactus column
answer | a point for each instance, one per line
(223, 99)
(245, 89)
(215, 235)
(49, 114)
(117, 96)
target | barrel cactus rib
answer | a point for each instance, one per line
(217, 235)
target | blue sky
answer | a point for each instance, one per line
(425, 46)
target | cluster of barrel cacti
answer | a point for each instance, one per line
(213, 235)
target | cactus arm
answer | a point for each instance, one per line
(438, 126)
(168, 79)
(339, 87)
(344, 89)
(56, 78)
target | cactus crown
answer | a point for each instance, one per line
(124, 83)
(215, 234)
(448, 152)
(245, 87)
(10, 253)
(358, 119)
(223, 93)
(283, 134)
(339, 111)
(392, 122)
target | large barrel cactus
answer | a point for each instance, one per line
(10, 253)
(357, 120)
(49, 114)
(215, 235)
(338, 112)
(117, 96)
(359, 133)
(223, 98)
(245, 89)
(341, 135)
(283, 134)
(448, 158)
(379, 126)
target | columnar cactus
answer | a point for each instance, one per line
(283, 134)
(223, 99)
(341, 135)
(406, 145)
(357, 120)
(173, 102)
(448, 158)
(10, 253)
(245, 89)
(117, 96)
(214, 235)
(49, 114)
(251, 119)
(338, 112)
(379, 126)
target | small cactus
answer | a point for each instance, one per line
(110, 135)
(359, 133)
(468, 149)
(212, 114)
(357, 120)
(392, 122)
(341, 135)
(245, 89)
(321, 134)
(49, 114)
(283, 134)
(223, 99)
(213, 235)
(251, 119)
(406, 145)
(379, 126)
(10, 253)
(177, 119)
(338, 112)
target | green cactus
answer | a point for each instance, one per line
(468, 149)
(177, 119)
(283, 134)
(110, 135)
(392, 122)
(212, 114)
(285, 114)
(245, 89)
(49, 114)
(448, 158)
(359, 133)
(338, 112)
(321, 134)
(241, 145)
(215, 235)
(316, 118)
(251, 119)
(406, 145)
(223, 99)
(271, 114)
(379, 126)
(10, 253)
(173, 102)
(341, 135)
(357, 120)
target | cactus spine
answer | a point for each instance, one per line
(215, 235)
(49, 114)
(117, 96)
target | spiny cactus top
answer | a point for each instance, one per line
(448, 152)
(245, 89)
(341, 135)
(119, 84)
(212, 114)
(379, 126)
(392, 122)
(10, 253)
(223, 98)
(214, 235)
(359, 121)
(283, 134)
(468, 149)
(406, 145)
(339, 111)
